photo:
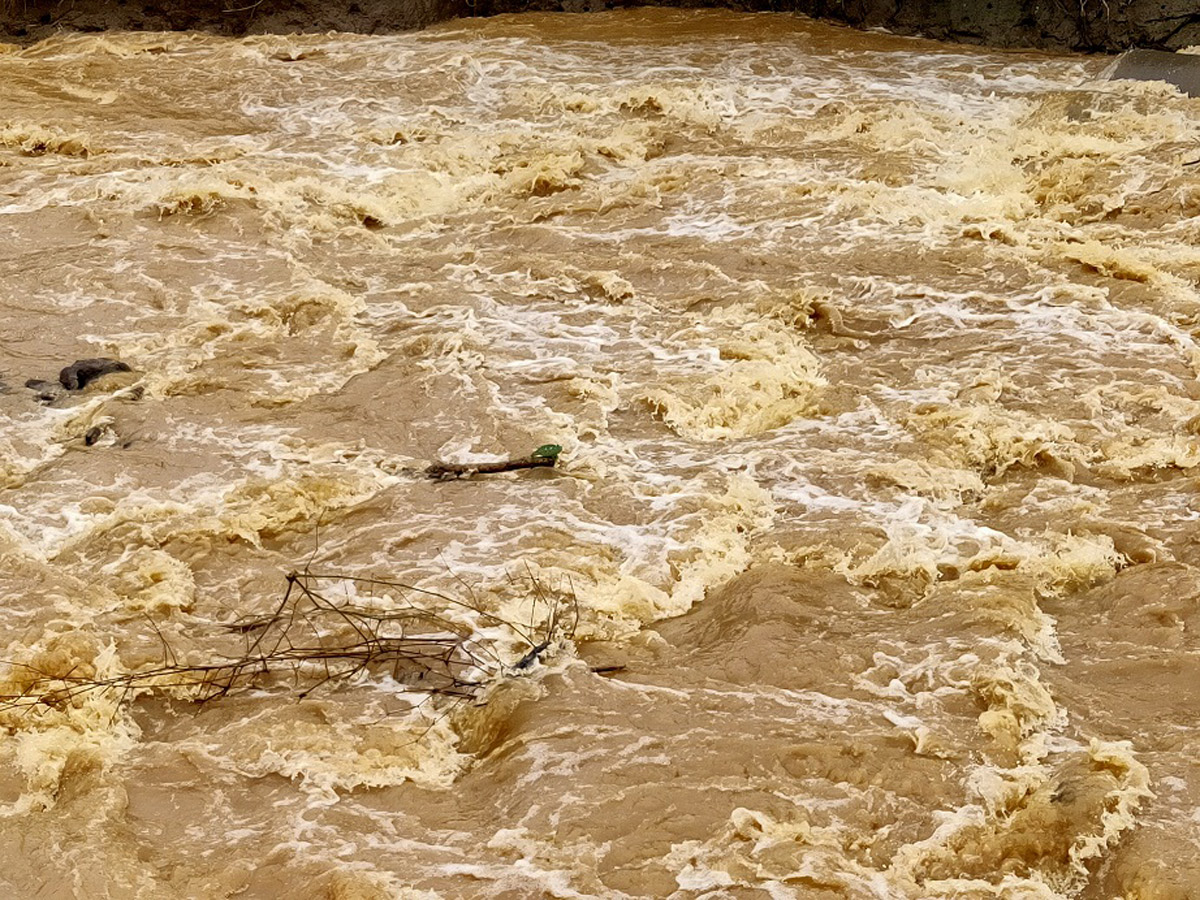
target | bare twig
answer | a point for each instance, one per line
(309, 641)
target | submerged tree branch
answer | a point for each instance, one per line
(312, 639)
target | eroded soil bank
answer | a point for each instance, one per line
(1086, 25)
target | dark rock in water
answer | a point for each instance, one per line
(1179, 69)
(77, 375)
(93, 434)
(46, 391)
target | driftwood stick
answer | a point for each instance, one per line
(445, 471)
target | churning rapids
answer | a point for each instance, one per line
(874, 366)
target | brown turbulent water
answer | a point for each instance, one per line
(874, 364)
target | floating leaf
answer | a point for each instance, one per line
(547, 451)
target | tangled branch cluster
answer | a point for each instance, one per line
(314, 637)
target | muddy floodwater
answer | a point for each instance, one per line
(870, 564)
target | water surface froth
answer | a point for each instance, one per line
(874, 366)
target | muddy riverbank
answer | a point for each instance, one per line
(1085, 26)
